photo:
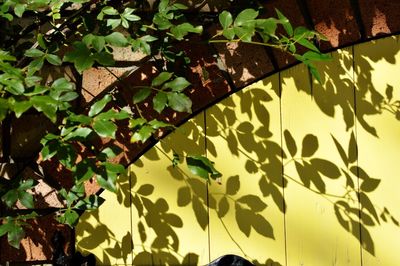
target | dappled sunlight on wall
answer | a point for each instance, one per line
(310, 175)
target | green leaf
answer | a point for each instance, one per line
(160, 101)
(41, 41)
(20, 107)
(109, 10)
(7, 16)
(5, 228)
(5, 56)
(53, 59)
(268, 25)
(113, 115)
(15, 235)
(183, 29)
(202, 166)
(26, 199)
(90, 203)
(314, 56)
(10, 198)
(69, 217)
(229, 33)
(116, 39)
(161, 78)
(107, 181)
(82, 119)
(69, 96)
(178, 6)
(141, 95)
(98, 43)
(143, 134)
(104, 58)
(98, 106)
(129, 16)
(80, 133)
(27, 184)
(105, 128)
(33, 52)
(46, 105)
(66, 154)
(285, 23)
(84, 170)
(19, 9)
(197, 168)
(314, 72)
(49, 150)
(244, 33)
(179, 102)
(13, 86)
(36, 64)
(32, 80)
(177, 84)
(138, 122)
(62, 84)
(80, 56)
(225, 18)
(114, 168)
(162, 6)
(246, 16)
(162, 22)
(114, 22)
(110, 152)
(156, 124)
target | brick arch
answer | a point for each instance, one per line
(230, 68)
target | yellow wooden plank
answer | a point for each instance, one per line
(106, 232)
(246, 210)
(169, 211)
(318, 193)
(378, 131)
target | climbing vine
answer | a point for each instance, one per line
(83, 34)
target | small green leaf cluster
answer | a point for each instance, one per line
(169, 93)
(246, 26)
(166, 17)
(13, 227)
(75, 201)
(202, 166)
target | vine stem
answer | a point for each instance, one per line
(252, 42)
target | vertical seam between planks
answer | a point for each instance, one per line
(282, 168)
(356, 151)
(208, 204)
(130, 212)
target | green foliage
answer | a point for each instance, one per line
(246, 26)
(99, 28)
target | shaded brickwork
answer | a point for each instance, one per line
(215, 71)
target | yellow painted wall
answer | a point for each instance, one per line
(310, 175)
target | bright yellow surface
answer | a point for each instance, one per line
(379, 155)
(315, 183)
(240, 130)
(296, 157)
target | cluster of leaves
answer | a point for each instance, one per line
(247, 27)
(103, 27)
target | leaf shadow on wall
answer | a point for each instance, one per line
(266, 158)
